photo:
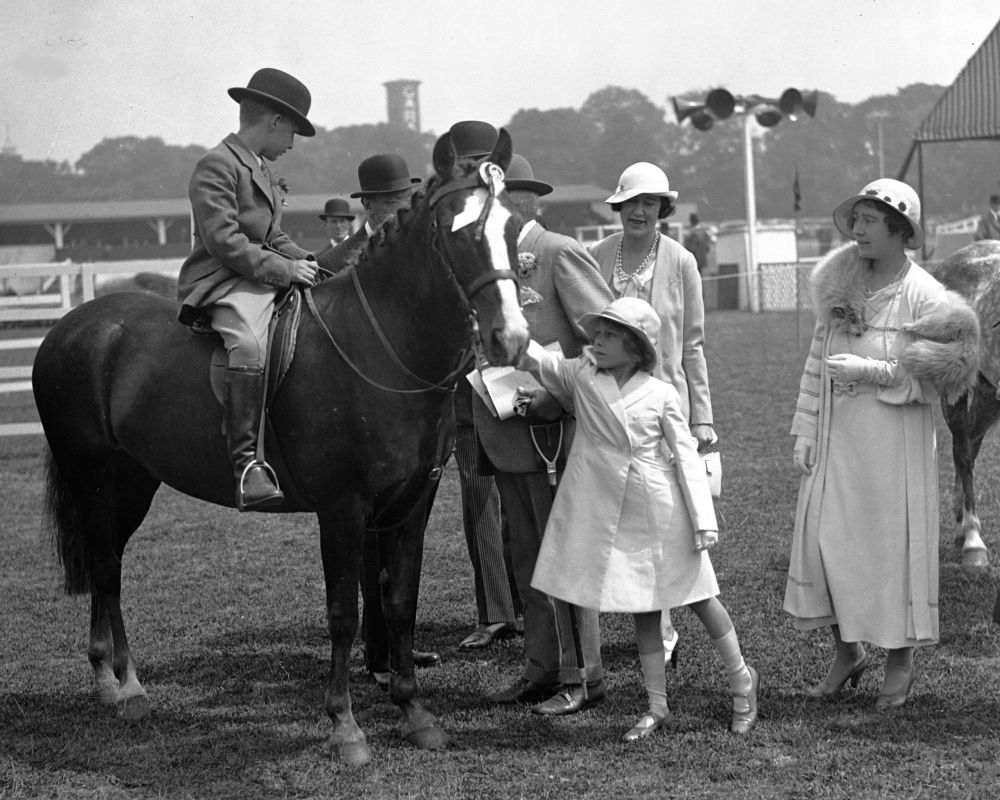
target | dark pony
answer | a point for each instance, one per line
(358, 427)
(974, 272)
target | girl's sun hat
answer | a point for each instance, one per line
(642, 178)
(888, 192)
(633, 313)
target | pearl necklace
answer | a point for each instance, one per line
(620, 272)
(889, 327)
(895, 278)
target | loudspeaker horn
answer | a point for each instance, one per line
(700, 118)
(792, 103)
(721, 103)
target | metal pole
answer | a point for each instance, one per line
(751, 200)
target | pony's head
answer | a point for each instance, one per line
(476, 235)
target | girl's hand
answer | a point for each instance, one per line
(706, 540)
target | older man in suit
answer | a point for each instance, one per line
(559, 283)
(386, 187)
(241, 259)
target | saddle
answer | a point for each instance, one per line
(281, 339)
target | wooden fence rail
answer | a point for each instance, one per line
(77, 282)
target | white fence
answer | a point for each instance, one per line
(49, 304)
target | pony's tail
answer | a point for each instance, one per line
(68, 532)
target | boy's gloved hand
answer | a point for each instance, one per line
(706, 540)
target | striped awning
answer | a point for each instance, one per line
(970, 107)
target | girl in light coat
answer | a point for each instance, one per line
(633, 520)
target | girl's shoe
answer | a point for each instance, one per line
(671, 650)
(887, 701)
(830, 690)
(646, 724)
(745, 707)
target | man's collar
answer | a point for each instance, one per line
(525, 230)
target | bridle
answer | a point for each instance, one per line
(489, 176)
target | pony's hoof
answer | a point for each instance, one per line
(353, 754)
(133, 708)
(430, 738)
(975, 558)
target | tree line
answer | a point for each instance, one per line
(834, 154)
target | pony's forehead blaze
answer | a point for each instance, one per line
(475, 201)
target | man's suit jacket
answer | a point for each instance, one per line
(338, 256)
(989, 226)
(563, 284)
(675, 295)
(237, 229)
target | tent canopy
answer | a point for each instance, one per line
(970, 107)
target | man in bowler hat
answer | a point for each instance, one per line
(559, 283)
(241, 259)
(386, 187)
(497, 603)
(337, 219)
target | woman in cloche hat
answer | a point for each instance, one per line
(889, 339)
(633, 520)
(641, 262)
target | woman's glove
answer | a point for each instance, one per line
(706, 540)
(847, 367)
(804, 455)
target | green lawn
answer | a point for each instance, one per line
(226, 618)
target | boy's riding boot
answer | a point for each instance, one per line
(256, 484)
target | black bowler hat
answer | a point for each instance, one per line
(383, 173)
(337, 207)
(280, 91)
(473, 138)
(520, 175)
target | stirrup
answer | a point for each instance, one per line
(276, 498)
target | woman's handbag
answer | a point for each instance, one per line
(713, 469)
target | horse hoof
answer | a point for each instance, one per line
(975, 558)
(354, 754)
(133, 708)
(431, 738)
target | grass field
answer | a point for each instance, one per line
(225, 615)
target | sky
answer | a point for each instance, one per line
(73, 72)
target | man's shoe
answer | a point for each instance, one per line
(425, 659)
(570, 699)
(522, 691)
(484, 635)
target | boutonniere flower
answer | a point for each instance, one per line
(526, 262)
(282, 185)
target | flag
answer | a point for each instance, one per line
(796, 193)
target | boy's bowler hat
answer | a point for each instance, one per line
(280, 91)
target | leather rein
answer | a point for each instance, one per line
(489, 176)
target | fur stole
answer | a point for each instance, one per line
(946, 350)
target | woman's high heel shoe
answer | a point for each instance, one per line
(646, 725)
(828, 691)
(671, 650)
(887, 701)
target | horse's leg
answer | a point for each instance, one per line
(100, 652)
(402, 553)
(969, 420)
(117, 508)
(341, 535)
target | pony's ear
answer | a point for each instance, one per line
(502, 150)
(444, 156)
